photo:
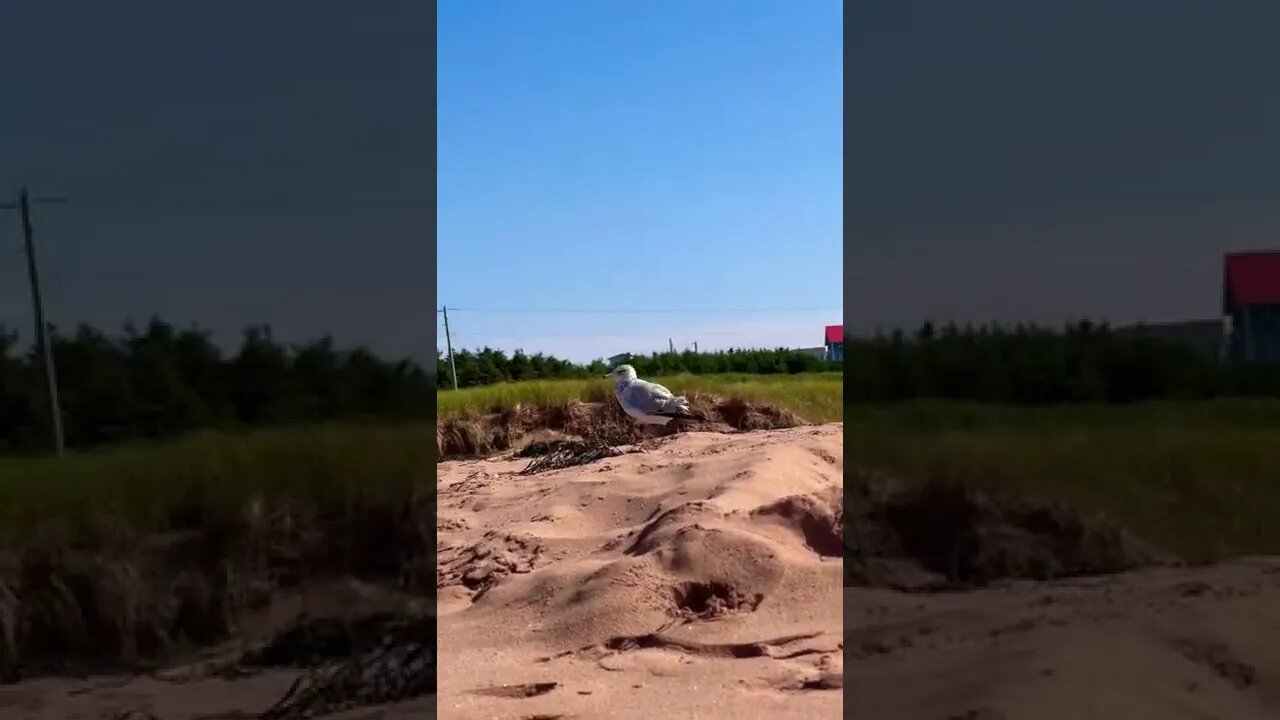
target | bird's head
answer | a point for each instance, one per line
(622, 373)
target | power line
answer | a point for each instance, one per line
(44, 347)
(584, 336)
(644, 311)
(505, 337)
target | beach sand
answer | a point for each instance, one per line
(699, 579)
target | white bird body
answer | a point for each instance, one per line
(647, 403)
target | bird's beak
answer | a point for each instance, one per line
(606, 377)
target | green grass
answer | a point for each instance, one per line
(815, 397)
(1198, 479)
(124, 492)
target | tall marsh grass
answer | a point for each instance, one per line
(1200, 479)
(127, 491)
(816, 397)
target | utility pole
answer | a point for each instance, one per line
(44, 347)
(695, 347)
(671, 346)
(453, 369)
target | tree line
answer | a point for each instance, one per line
(161, 381)
(1026, 364)
(1022, 364)
(487, 366)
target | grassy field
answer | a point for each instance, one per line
(815, 397)
(121, 493)
(1198, 479)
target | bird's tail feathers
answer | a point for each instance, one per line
(677, 408)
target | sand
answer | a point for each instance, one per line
(561, 565)
(1158, 644)
(172, 697)
(699, 579)
(193, 689)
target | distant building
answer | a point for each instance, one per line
(819, 352)
(1251, 302)
(1207, 337)
(834, 343)
(620, 358)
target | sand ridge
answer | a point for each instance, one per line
(1163, 643)
(701, 578)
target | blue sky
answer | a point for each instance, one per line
(1053, 160)
(228, 164)
(672, 155)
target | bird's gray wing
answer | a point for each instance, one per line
(642, 396)
(653, 399)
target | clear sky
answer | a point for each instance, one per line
(679, 159)
(1054, 159)
(248, 162)
(229, 163)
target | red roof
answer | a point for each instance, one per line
(835, 333)
(1252, 278)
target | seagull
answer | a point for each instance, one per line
(649, 403)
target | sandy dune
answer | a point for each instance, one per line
(172, 697)
(194, 689)
(699, 579)
(1161, 644)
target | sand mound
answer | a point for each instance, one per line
(476, 435)
(949, 535)
(376, 659)
(73, 610)
(700, 578)
(327, 648)
(818, 517)
(1032, 610)
(1166, 643)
